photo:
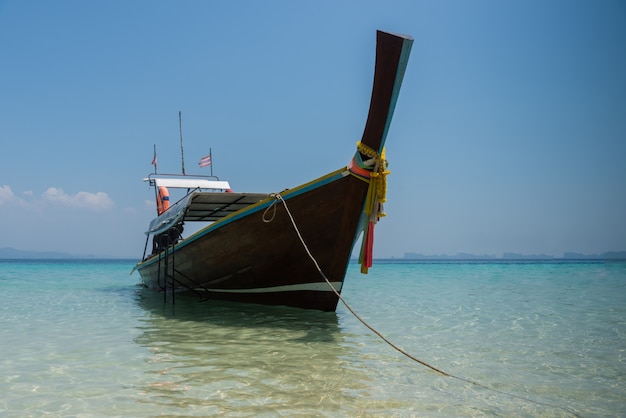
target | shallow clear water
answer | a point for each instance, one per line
(80, 338)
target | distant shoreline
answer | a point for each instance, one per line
(493, 260)
(507, 256)
(353, 261)
(72, 259)
(15, 254)
(9, 253)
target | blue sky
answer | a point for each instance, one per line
(509, 134)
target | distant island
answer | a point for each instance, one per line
(14, 254)
(609, 255)
(9, 253)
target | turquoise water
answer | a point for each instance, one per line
(80, 338)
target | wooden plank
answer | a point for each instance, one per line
(392, 53)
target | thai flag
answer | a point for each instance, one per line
(205, 161)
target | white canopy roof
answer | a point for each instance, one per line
(189, 183)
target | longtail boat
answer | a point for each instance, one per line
(289, 248)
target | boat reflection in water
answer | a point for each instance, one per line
(221, 357)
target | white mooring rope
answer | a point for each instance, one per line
(278, 197)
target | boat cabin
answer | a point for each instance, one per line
(205, 199)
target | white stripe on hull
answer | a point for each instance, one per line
(320, 287)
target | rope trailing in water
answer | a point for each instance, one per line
(376, 197)
(279, 198)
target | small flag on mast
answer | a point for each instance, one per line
(205, 161)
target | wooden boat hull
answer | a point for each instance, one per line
(257, 257)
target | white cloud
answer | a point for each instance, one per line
(93, 201)
(98, 201)
(6, 195)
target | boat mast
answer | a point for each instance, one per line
(154, 160)
(211, 157)
(182, 152)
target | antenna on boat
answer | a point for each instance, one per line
(182, 152)
(154, 160)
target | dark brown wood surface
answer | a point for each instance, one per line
(391, 58)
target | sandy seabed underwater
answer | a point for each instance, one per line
(82, 338)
